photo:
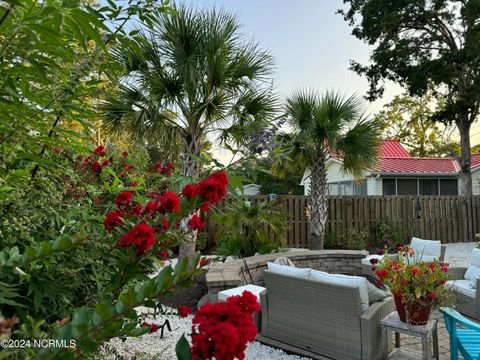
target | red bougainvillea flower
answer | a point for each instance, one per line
(443, 281)
(141, 236)
(113, 219)
(170, 203)
(150, 208)
(184, 311)
(415, 271)
(222, 330)
(190, 191)
(380, 252)
(196, 223)
(153, 327)
(96, 167)
(106, 162)
(373, 261)
(163, 255)
(100, 151)
(125, 154)
(124, 199)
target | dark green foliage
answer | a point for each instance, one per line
(393, 231)
(243, 228)
(350, 240)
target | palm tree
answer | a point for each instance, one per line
(196, 66)
(322, 126)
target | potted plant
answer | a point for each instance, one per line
(417, 287)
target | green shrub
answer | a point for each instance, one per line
(393, 231)
(202, 241)
(352, 239)
(244, 229)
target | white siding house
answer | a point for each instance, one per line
(398, 173)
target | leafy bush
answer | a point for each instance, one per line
(351, 240)
(243, 228)
(393, 231)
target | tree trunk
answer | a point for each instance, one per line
(190, 168)
(465, 156)
(318, 201)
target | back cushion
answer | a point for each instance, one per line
(473, 269)
(288, 270)
(426, 247)
(338, 279)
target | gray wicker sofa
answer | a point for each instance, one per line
(466, 302)
(320, 320)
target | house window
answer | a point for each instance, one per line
(428, 186)
(448, 187)
(399, 186)
(351, 187)
(389, 187)
(407, 187)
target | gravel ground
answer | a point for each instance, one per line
(151, 346)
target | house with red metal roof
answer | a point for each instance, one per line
(397, 172)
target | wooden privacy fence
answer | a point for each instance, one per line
(446, 218)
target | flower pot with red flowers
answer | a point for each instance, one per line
(417, 287)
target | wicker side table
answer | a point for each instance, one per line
(392, 323)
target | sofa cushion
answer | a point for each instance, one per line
(288, 270)
(461, 286)
(425, 258)
(426, 247)
(473, 269)
(375, 294)
(474, 281)
(254, 289)
(338, 279)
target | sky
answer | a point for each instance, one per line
(311, 45)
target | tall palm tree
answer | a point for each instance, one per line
(322, 126)
(194, 74)
(198, 67)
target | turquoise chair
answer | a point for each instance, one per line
(467, 341)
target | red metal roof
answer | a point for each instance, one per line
(413, 165)
(475, 162)
(390, 148)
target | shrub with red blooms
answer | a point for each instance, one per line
(169, 203)
(196, 222)
(124, 199)
(184, 311)
(163, 169)
(222, 330)
(100, 151)
(209, 190)
(141, 236)
(113, 219)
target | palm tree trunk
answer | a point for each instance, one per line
(190, 168)
(318, 201)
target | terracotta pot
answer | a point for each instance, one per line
(418, 312)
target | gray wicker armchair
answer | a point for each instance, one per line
(466, 302)
(317, 319)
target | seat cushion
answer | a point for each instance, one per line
(366, 261)
(473, 269)
(461, 286)
(288, 270)
(254, 289)
(347, 280)
(426, 247)
(425, 258)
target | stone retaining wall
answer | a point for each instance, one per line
(235, 273)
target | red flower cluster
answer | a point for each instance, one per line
(221, 330)
(184, 311)
(196, 222)
(141, 236)
(100, 151)
(124, 200)
(163, 169)
(209, 190)
(153, 327)
(169, 203)
(113, 219)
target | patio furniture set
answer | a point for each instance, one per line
(322, 315)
